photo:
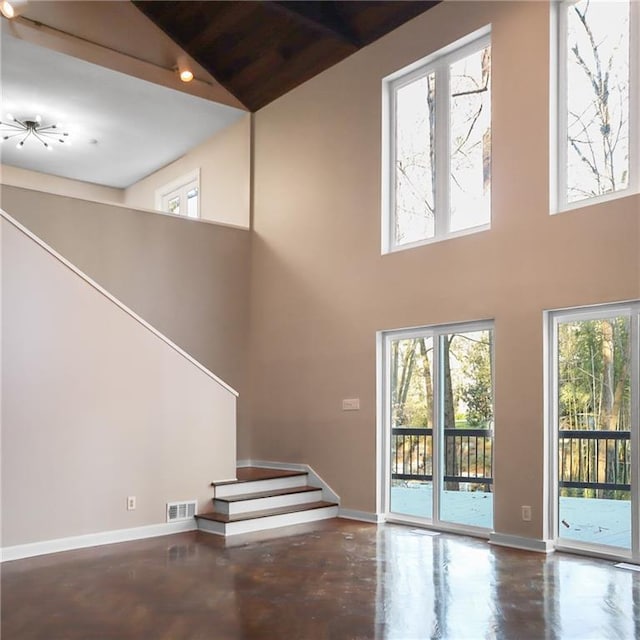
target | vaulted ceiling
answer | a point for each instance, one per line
(106, 70)
(260, 50)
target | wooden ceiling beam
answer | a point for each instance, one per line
(320, 16)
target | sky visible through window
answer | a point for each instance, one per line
(597, 98)
(467, 201)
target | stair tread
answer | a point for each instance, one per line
(239, 517)
(249, 474)
(268, 494)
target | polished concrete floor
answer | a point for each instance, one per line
(336, 580)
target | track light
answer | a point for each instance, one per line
(12, 9)
(185, 73)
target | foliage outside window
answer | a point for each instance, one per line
(595, 396)
(439, 147)
(181, 197)
(441, 423)
(598, 114)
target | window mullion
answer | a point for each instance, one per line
(562, 123)
(442, 150)
(634, 96)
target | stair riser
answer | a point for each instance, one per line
(268, 522)
(255, 486)
(272, 502)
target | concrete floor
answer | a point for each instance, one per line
(597, 521)
(336, 580)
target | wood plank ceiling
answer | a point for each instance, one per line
(261, 50)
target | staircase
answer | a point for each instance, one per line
(264, 499)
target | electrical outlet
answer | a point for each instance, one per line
(526, 513)
(131, 503)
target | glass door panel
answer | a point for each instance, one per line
(466, 418)
(411, 408)
(593, 430)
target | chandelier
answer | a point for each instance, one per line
(34, 128)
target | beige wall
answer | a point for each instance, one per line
(16, 177)
(224, 163)
(321, 290)
(96, 408)
(186, 278)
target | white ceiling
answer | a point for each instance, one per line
(121, 128)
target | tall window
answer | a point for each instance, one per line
(438, 140)
(598, 105)
(181, 197)
(439, 425)
(594, 398)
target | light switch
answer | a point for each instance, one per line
(351, 404)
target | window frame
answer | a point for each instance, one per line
(384, 340)
(179, 187)
(559, 93)
(437, 63)
(552, 319)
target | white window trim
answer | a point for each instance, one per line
(383, 439)
(551, 321)
(174, 185)
(438, 62)
(558, 77)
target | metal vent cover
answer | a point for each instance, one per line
(181, 510)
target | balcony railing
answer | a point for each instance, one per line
(468, 455)
(599, 460)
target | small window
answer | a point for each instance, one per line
(181, 197)
(438, 146)
(597, 105)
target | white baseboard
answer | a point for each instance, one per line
(363, 516)
(95, 539)
(520, 542)
(315, 480)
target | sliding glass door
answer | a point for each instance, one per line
(595, 428)
(439, 425)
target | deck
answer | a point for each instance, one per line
(597, 521)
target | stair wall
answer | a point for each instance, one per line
(97, 407)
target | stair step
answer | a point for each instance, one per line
(263, 513)
(258, 480)
(250, 474)
(258, 501)
(223, 524)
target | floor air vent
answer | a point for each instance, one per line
(180, 510)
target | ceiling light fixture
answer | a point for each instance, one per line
(13, 8)
(185, 73)
(24, 129)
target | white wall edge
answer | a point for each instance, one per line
(362, 516)
(32, 549)
(328, 493)
(520, 542)
(115, 301)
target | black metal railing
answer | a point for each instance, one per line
(468, 455)
(599, 460)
